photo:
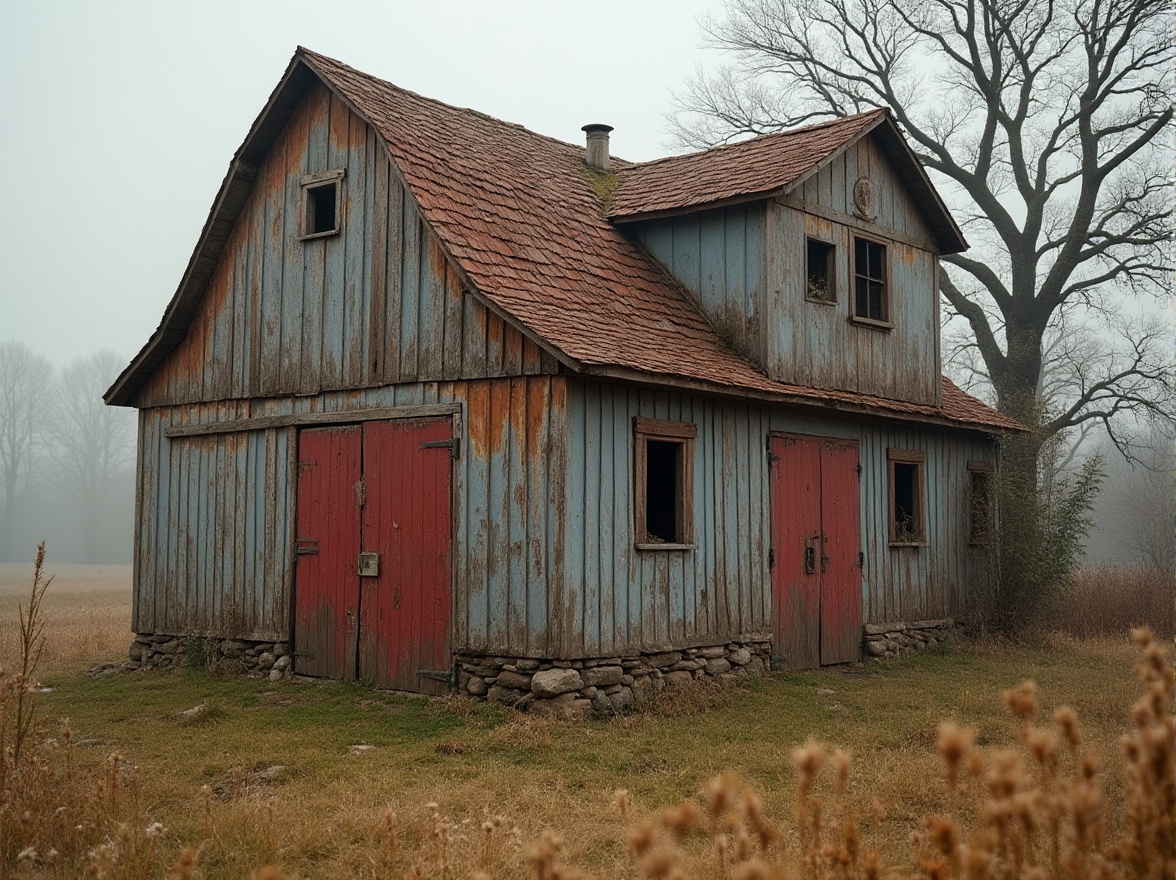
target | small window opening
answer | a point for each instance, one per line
(905, 504)
(979, 502)
(907, 524)
(661, 491)
(820, 265)
(663, 471)
(321, 209)
(869, 279)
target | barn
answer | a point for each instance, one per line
(442, 403)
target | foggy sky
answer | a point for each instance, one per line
(120, 119)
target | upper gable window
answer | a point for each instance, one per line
(321, 204)
(871, 290)
(820, 271)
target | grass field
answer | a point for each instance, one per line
(327, 779)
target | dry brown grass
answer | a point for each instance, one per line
(453, 789)
(1110, 600)
(88, 614)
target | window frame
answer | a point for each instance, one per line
(831, 270)
(312, 182)
(917, 537)
(885, 323)
(683, 434)
(976, 536)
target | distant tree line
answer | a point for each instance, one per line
(66, 459)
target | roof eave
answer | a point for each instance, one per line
(743, 198)
(821, 405)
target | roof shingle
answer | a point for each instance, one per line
(766, 164)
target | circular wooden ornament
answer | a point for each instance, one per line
(865, 199)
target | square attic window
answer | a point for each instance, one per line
(321, 198)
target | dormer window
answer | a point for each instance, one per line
(871, 290)
(321, 198)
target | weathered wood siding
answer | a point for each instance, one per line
(746, 267)
(718, 256)
(815, 343)
(214, 530)
(948, 575)
(617, 599)
(216, 513)
(544, 563)
(376, 304)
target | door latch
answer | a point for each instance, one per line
(810, 557)
(369, 565)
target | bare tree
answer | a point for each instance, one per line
(91, 443)
(24, 386)
(1041, 119)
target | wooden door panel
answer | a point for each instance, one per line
(841, 575)
(405, 610)
(326, 591)
(796, 526)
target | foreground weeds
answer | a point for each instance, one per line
(338, 781)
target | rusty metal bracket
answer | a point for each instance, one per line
(453, 444)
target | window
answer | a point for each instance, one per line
(320, 199)
(980, 502)
(664, 484)
(820, 267)
(907, 522)
(870, 299)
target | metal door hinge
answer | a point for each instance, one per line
(861, 560)
(306, 546)
(361, 490)
(453, 444)
(436, 675)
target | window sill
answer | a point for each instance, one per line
(821, 300)
(658, 546)
(917, 543)
(315, 235)
(871, 323)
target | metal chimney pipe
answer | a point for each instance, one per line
(597, 145)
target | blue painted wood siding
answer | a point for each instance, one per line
(718, 256)
(746, 267)
(544, 563)
(216, 513)
(618, 599)
(376, 304)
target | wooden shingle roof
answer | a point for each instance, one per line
(521, 217)
(773, 165)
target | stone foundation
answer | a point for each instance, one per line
(604, 686)
(271, 659)
(884, 640)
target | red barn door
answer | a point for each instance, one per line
(404, 627)
(816, 575)
(326, 588)
(372, 579)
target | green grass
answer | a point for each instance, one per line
(324, 810)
